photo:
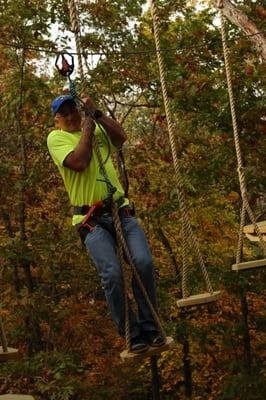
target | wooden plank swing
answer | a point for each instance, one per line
(250, 232)
(256, 230)
(198, 299)
(128, 356)
(187, 231)
(249, 265)
(255, 233)
(16, 397)
(6, 353)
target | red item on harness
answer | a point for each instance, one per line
(67, 67)
(85, 222)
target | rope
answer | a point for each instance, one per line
(184, 260)
(3, 336)
(240, 168)
(75, 25)
(122, 245)
(187, 229)
(76, 29)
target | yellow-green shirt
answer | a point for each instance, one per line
(88, 186)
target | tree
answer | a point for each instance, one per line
(240, 19)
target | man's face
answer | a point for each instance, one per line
(68, 117)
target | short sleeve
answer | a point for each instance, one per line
(101, 132)
(59, 146)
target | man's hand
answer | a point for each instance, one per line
(88, 124)
(88, 102)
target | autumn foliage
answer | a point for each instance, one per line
(52, 303)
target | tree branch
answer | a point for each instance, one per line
(240, 19)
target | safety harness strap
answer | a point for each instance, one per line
(103, 206)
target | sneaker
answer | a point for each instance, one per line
(138, 344)
(154, 338)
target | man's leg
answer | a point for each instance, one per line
(142, 258)
(102, 248)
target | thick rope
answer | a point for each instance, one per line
(75, 26)
(240, 169)
(119, 232)
(3, 337)
(76, 30)
(185, 266)
(240, 234)
(185, 220)
(122, 245)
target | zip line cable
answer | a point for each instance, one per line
(107, 53)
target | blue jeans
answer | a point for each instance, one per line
(101, 245)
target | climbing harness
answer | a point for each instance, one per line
(123, 251)
(256, 227)
(187, 232)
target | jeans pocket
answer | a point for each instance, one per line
(91, 233)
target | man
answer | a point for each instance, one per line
(71, 148)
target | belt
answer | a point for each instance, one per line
(83, 210)
(106, 209)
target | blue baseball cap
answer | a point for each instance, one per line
(56, 103)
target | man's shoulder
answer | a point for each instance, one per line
(57, 136)
(54, 134)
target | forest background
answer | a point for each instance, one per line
(52, 303)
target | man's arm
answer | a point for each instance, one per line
(79, 159)
(112, 127)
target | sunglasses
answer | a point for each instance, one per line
(65, 113)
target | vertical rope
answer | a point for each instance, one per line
(122, 245)
(123, 269)
(240, 169)
(75, 26)
(240, 234)
(3, 336)
(76, 30)
(184, 260)
(120, 236)
(180, 194)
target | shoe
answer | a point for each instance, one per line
(138, 345)
(153, 338)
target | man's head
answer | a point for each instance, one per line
(66, 114)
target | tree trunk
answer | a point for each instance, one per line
(32, 326)
(245, 331)
(186, 357)
(164, 240)
(240, 19)
(155, 378)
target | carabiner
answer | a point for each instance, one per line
(67, 68)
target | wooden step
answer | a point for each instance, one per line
(249, 265)
(250, 228)
(198, 299)
(254, 238)
(127, 356)
(250, 232)
(8, 355)
(16, 397)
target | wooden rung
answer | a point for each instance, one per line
(127, 356)
(16, 397)
(198, 299)
(249, 265)
(254, 238)
(9, 354)
(250, 228)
